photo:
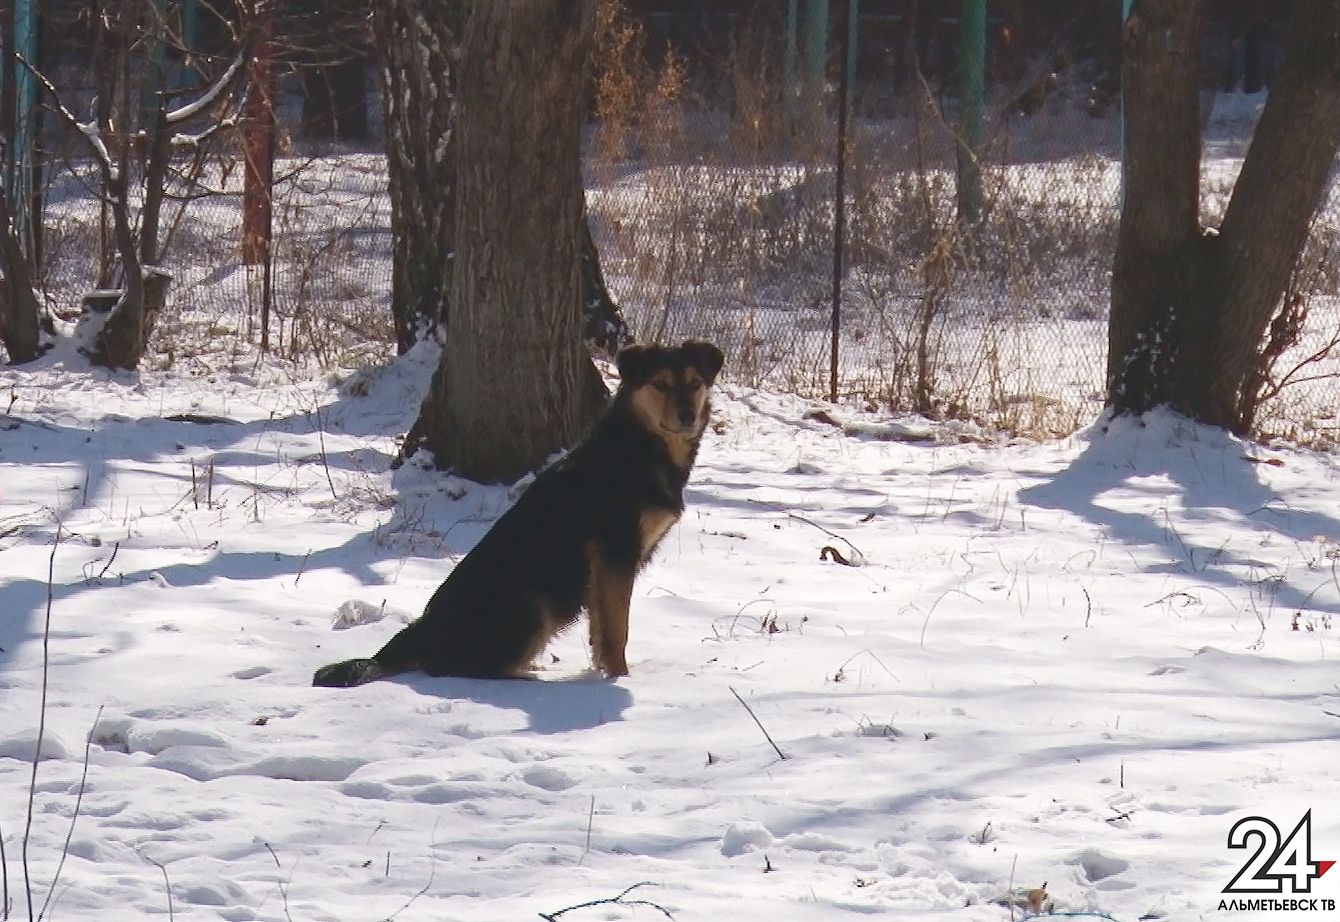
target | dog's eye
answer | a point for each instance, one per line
(663, 386)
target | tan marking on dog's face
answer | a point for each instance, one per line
(673, 402)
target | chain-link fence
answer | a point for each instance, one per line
(718, 220)
(328, 293)
(711, 192)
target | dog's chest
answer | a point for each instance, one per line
(652, 526)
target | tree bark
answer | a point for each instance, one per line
(606, 329)
(258, 146)
(20, 315)
(1158, 239)
(1283, 181)
(515, 380)
(121, 340)
(1191, 311)
(417, 46)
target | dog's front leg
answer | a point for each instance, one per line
(608, 598)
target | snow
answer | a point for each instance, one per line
(1072, 662)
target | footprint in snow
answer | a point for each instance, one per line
(1098, 865)
(547, 778)
(744, 837)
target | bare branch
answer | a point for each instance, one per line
(210, 96)
(610, 901)
(89, 130)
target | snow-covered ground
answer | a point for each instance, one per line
(1076, 663)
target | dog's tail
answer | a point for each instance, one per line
(399, 655)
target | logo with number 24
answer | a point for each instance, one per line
(1274, 858)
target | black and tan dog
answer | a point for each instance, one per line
(575, 539)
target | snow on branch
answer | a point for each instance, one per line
(192, 109)
(90, 130)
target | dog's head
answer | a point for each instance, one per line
(667, 386)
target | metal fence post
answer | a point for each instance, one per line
(789, 65)
(24, 158)
(816, 54)
(190, 39)
(853, 41)
(845, 61)
(972, 90)
(1126, 6)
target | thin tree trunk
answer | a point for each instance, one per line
(258, 147)
(1283, 181)
(20, 317)
(514, 384)
(417, 47)
(120, 343)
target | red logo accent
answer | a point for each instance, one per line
(1323, 867)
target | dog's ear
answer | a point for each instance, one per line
(633, 362)
(705, 357)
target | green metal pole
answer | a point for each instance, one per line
(789, 64)
(1126, 6)
(972, 91)
(839, 210)
(190, 38)
(155, 87)
(853, 37)
(25, 124)
(816, 50)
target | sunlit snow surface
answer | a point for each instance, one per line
(1069, 662)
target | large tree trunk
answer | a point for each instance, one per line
(1190, 311)
(515, 381)
(1158, 240)
(1282, 183)
(417, 44)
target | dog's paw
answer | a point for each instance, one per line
(347, 674)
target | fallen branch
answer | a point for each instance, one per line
(768, 736)
(611, 901)
(828, 552)
(857, 555)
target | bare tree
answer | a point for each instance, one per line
(515, 382)
(1196, 313)
(132, 138)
